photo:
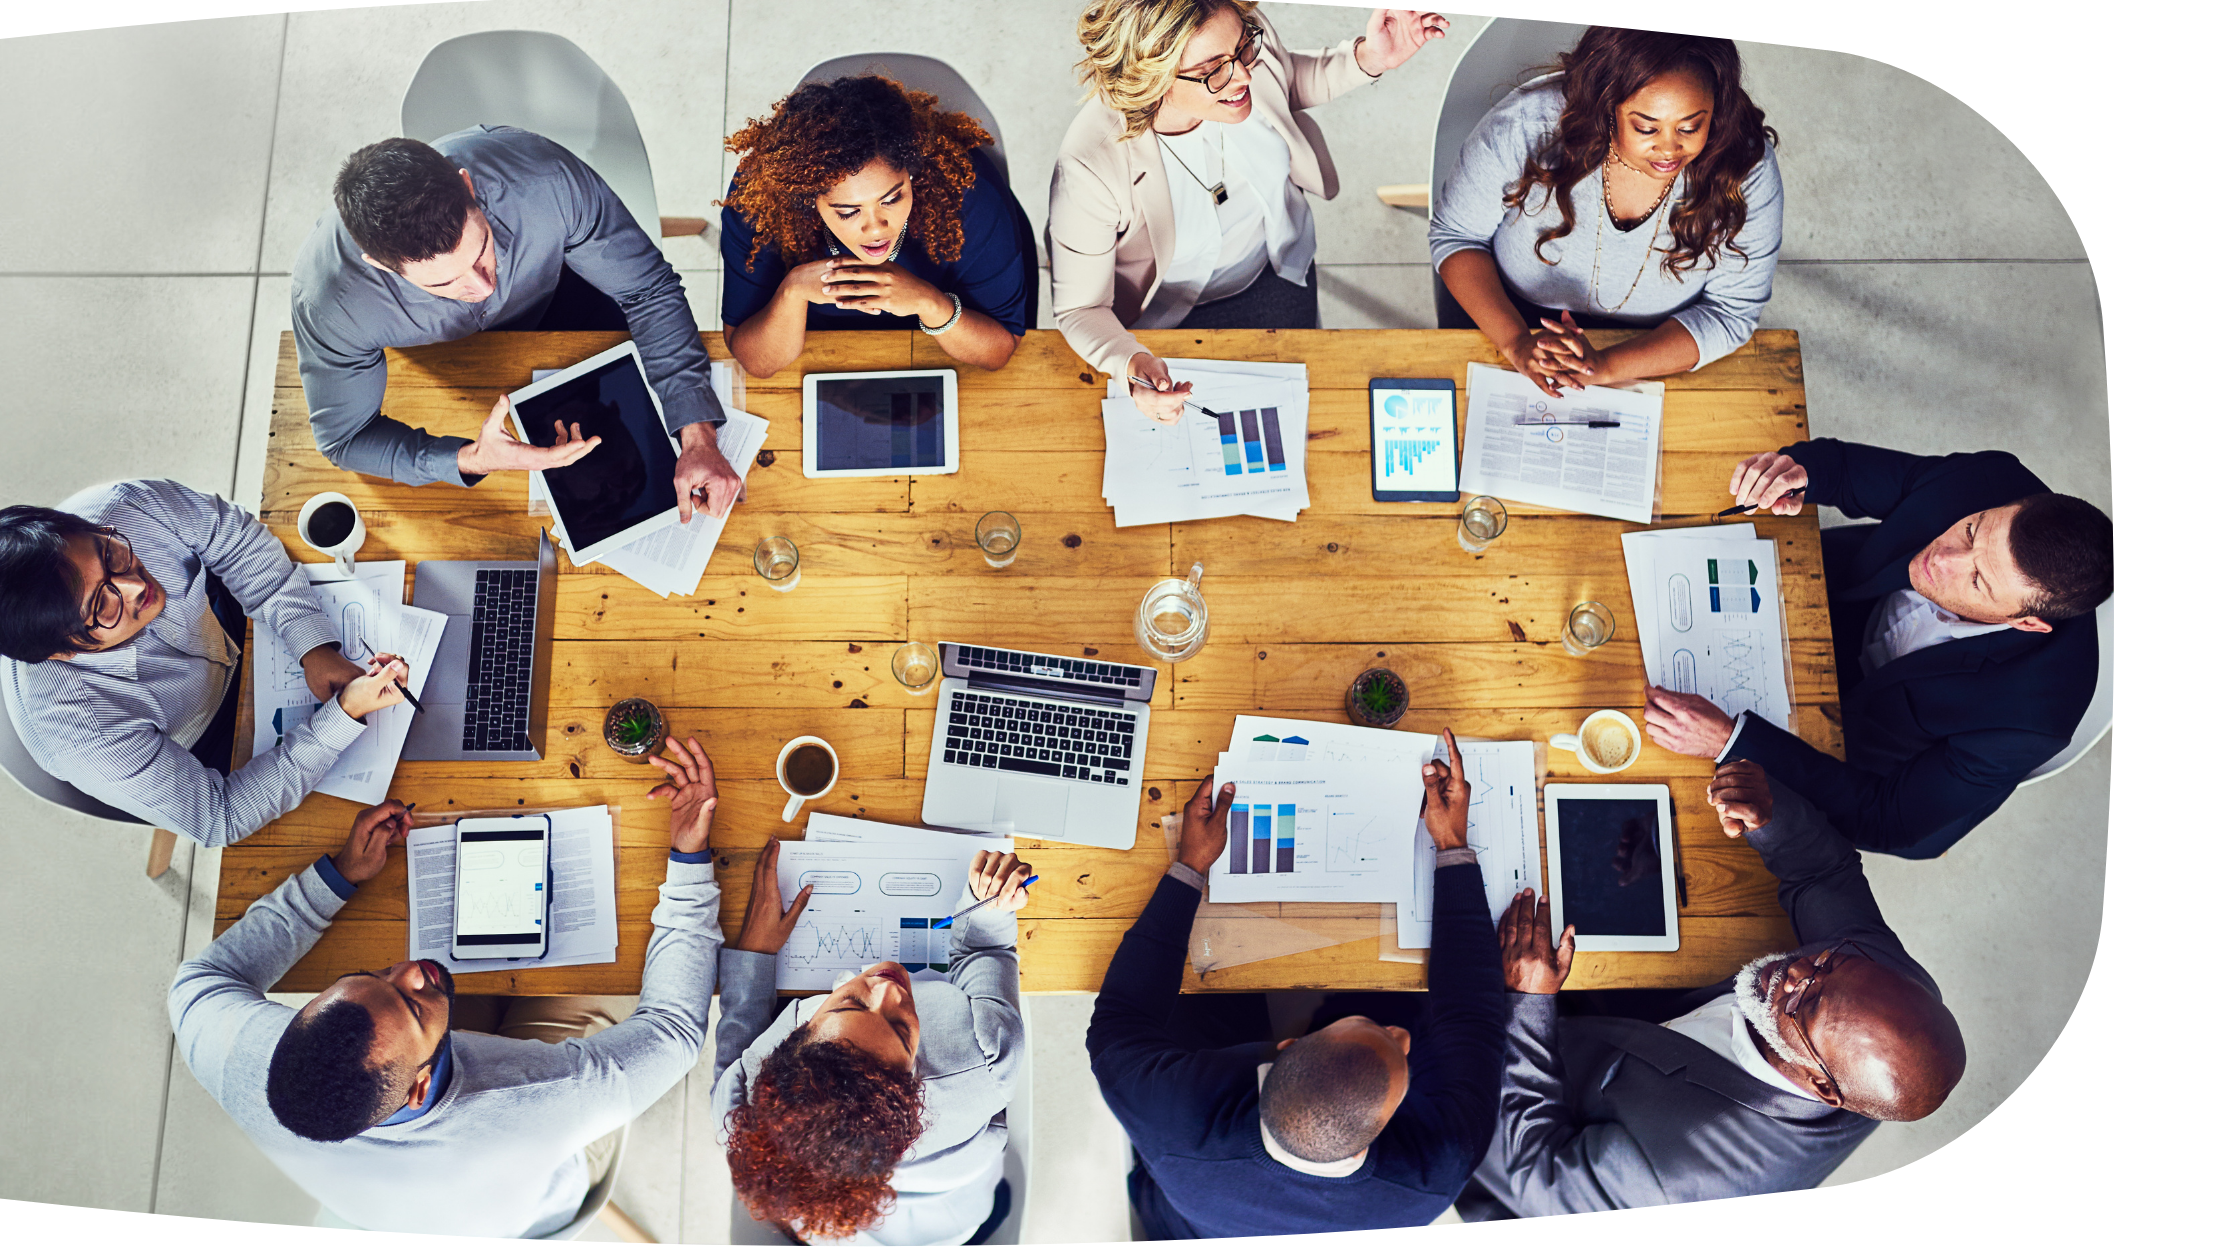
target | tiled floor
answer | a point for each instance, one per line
(143, 310)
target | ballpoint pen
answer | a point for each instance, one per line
(942, 923)
(403, 690)
(1583, 424)
(1137, 380)
(1746, 507)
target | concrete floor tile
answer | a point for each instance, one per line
(272, 318)
(211, 1169)
(150, 141)
(1376, 295)
(116, 377)
(1077, 1189)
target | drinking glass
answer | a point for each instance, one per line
(917, 666)
(1588, 626)
(779, 563)
(1171, 621)
(1483, 519)
(998, 536)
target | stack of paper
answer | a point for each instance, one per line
(877, 890)
(1248, 458)
(1521, 444)
(1707, 603)
(582, 928)
(671, 561)
(1504, 829)
(368, 608)
(1323, 812)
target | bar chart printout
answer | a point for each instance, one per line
(1316, 832)
(1251, 441)
(1263, 839)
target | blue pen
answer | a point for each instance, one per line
(942, 923)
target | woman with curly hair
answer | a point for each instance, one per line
(873, 1113)
(861, 204)
(1179, 199)
(1653, 137)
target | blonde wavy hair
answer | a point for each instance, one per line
(1135, 48)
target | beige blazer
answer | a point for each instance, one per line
(1111, 226)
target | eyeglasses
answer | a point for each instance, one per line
(1821, 966)
(108, 608)
(1224, 71)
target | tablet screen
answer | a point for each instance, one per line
(881, 422)
(1613, 882)
(630, 476)
(1414, 430)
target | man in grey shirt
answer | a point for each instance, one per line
(391, 1116)
(488, 228)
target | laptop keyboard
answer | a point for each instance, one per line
(504, 643)
(1064, 741)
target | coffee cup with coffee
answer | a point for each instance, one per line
(1607, 742)
(331, 524)
(807, 769)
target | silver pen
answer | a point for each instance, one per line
(1137, 380)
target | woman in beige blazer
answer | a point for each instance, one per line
(1176, 203)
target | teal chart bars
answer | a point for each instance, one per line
(1263, 834)
(1251, 441)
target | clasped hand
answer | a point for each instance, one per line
(885, 288)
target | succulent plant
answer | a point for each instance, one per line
(1378, 697)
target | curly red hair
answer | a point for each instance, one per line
(816, 1141)
(825, 132)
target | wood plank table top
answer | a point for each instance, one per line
(1297, 610)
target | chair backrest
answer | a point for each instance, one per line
(2100, 716)
(540, 82)
(922, 74)
(16, 759)
(1506, 53)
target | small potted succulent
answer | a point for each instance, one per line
(1377, 698)
(635, 729)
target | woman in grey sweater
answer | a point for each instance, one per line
(1634, 188)
(874, 1114)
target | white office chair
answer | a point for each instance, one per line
(543, 83)
(921, 74)
(2100, 716)
(16, 759)
(595, 1206)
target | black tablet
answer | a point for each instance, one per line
(624, 489)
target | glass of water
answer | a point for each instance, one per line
(779, 563)
(1588, 626)
(917, 666)
(1483, 519)
(998, 536)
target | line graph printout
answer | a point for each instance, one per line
(1504, 829)
(878, 889)
(1707, 603)
(1332, 831)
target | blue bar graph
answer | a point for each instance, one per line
(1401, 456)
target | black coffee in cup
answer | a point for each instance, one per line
(330, 526)
(808, 770)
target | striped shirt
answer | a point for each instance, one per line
(104, 721)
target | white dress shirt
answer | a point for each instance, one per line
(1220, 250)
(1723, 1029)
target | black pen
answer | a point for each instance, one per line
(403, 690)
(1747, 507)
(1583, 424)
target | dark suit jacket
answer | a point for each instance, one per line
(1937, 739)
(1607, 1113)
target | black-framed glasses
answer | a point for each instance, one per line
(1224, 71)
(1811, 985)
(107, 610)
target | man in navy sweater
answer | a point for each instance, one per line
(1354, 1126)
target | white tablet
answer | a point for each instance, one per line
(1610, 865)
(878, 424)
(624, 489)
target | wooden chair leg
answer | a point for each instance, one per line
(619, 1221)
(682, 226)
(159, 853)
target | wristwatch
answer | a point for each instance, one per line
(956, 312)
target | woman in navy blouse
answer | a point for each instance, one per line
(860, 204)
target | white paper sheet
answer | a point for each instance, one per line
(1707, 605)
(1192, 470)
(1504, 829)
(1511, 451)
(877, 889)
(583, 914)
(1343, 829)
(366, 610)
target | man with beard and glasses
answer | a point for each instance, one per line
(383, 1102)
(1762, 1084)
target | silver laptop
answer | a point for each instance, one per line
(484, 698)
(1034, 745)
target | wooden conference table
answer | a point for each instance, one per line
(1297, 610)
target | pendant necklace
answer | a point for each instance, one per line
(1220, 191)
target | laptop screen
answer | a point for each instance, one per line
(1077, 674)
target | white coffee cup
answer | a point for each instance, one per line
(795, 797)
(1593, 732)
(345, 552)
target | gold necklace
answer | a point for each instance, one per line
(1656, 214)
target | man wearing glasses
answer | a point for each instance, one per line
(121, 615)
(1763, 1084)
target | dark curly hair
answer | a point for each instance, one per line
(1608, 66)
(825, 132)
(816, 1141)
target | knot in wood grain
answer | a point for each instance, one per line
(765, 459)
(1071, 540)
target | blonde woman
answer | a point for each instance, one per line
(1178, 199)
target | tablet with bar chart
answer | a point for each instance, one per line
(1414, 457)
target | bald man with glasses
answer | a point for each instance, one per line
(1766, 1082)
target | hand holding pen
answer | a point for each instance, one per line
(1157, 394)
(999, 880)
(1771, 481)
(383, 659)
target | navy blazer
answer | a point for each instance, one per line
(1936, 739)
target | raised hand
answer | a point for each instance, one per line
(495, 450)
(690, 791)
(1396, 35)
(769, 921)
(1446, 799)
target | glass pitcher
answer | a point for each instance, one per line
(1171, 624)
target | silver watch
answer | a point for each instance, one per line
(956, 312)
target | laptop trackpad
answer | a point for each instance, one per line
(1033, 807)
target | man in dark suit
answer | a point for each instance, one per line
(1763, 1084)
(1965, 642)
